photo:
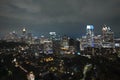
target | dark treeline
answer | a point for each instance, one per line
(4, 44)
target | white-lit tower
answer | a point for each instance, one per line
(52, 35)
(90, 35)
(23, 31)
(23, 37)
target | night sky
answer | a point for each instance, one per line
(68, 17)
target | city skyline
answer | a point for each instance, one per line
(68, 17)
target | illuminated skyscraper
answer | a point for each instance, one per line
(90, 35)
(52, 35)
(23, 31)
(65, 42)
(108, 37)
(23, 36)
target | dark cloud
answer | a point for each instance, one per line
(65, 16)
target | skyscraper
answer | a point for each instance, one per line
(108, 37)
(90, 35)
(23, 36)
(23, 31)
(52, 35)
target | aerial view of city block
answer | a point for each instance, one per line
(59, 40)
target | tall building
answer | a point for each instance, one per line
(23, 31)
(23, 36)
(52, 35)
(90, 35)
(64, 44)
(90, 40)
(108, 37)
(42, 39)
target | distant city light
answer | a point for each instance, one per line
(24, 29)
(90, 27)
(78, 53)
(52, 33)
(117, 45)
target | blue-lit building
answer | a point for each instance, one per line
(90, 35)
(52, 35)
